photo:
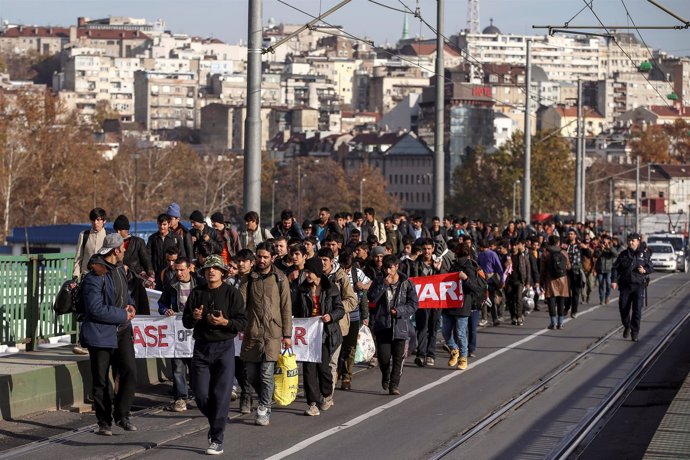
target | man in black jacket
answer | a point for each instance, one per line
(137, 258)
(159, 243)
(203, 233)
(217, 313)
(629, 272)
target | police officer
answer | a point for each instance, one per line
(630, 271)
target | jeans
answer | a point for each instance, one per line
(427, 324)
(556, 309)
(121, 361)
(213, 371)
(179, 368)
(604, 280)
(391, 355)
(472, 323)
(455, 333)
(318, 379)
(260, 376)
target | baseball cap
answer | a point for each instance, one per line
(112, 241)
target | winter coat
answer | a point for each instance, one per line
(605, 259)
(102, 315)
(186, 238)
(295, 231)
(257, 236)
(331, 303)
(521, 273)
(374, 228)
(269, 315)
(557, 287)
(472, 289)
(625, 268)
(405, 301)
(214, 239)
(85, 249)
(137, 256)
(230, 237)
(347, 295)
(157, 247)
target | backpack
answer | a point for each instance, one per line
(558, 267)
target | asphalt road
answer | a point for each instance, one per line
(437, 404)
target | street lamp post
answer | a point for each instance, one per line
(273, 202)
(515, 185)
(361, 192)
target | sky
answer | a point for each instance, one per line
(227, 19)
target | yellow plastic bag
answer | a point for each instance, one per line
(286, 378)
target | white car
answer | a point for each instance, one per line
(663, 256)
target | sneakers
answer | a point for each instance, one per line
(104, 429)
(394, 391)
(419, 361)
(327, 403)
(245, 404)
(560, 326)
(483, 323)
(215, 448)
(551, 326)
(462, 363)
(126, 425)
(472, 354)
(520, 322)
(374, 362)
(573, 315)
(262, 416)
(454, 355)
(312, 410)
(346, 385)
(429, 361)
(180, 405)
(78, 350)
(233, 395)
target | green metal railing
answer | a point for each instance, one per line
(28, 287)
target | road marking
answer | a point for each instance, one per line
(377, 410)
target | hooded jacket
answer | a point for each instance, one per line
(105, 297)
(405, 302)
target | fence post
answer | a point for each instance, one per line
(32, 303)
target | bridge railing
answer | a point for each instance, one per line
(28, 287)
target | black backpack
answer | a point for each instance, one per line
(559, 265)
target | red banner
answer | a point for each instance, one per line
(439, 291)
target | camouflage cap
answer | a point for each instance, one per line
(216, 261)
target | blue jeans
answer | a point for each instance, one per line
(260, 376)
(179, 369)
(604, 280)
(455, 333)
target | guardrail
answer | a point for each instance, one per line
(28, 286)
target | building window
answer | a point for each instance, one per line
(661, 194)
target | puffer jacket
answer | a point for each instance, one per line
(269, 315)
(331, 303)
(102, 315)
(405, 301)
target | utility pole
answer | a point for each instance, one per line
(527, 177)
(439, 154)
(637, 194)
(612, 204)
(578, 156)
(252, 127)
(583, 166)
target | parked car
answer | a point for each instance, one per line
(680, 247)
(663, 256)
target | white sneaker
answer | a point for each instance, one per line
(312, 410)
(180, 405)
(262, 416)
(327, 403)
(215, 448)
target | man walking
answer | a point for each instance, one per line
(266, 291)
(216, 312)
(107, 332)
(629, 275)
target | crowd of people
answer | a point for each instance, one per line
(348, 269)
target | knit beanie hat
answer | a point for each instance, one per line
(314, 265)
(196, 216)
(174, 210)
(121, 223)
(217, 217)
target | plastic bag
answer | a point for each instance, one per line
(286, 378)
(365, 346)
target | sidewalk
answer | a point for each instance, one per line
(672, 438)
(55, 378)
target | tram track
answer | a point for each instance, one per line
(576, 438)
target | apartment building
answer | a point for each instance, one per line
(165, 100)
(391, 83)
